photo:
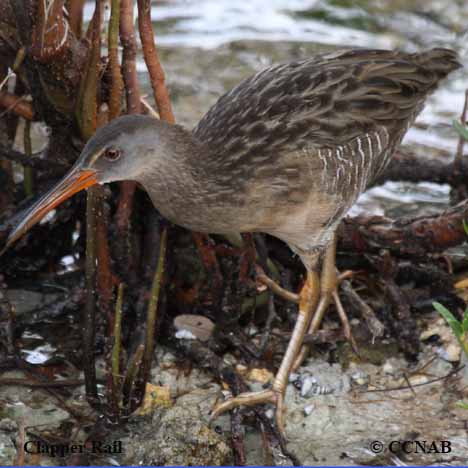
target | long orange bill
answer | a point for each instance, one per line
(75, 181)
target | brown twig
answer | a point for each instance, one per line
(268, 323)
(115, 98)
(410, 167)
(75, 11)
(89, 311)
(373, 323)
(405, 387)
(130, 381)
(129, 53)
(16, 104)
(31, 383)
(205, 247)
(116, 376)
(402, 322)
(21, 455)
(87, 120)
(161, 96)
(405, 237)
(104, 275)
(152, 312)
(28, 175)
(132, 94)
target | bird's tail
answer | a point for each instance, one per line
(440, 61)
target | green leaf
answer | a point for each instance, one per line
(462, 404)
(465, 227)
(465, 321)
(455, 325)
(461, 129)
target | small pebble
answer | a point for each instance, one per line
(260, 375)
(293, 377)
(388, 368)
(451, 353)
(418, 379)
(269, 413)
(308, 409)
(252, 331)
(306, 387)
(360, 377)
(241, 369)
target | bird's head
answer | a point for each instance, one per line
(122, 150)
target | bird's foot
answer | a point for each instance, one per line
(275, 288)
(275, 397)
(327, 296)
(308, 301)
(344, 321)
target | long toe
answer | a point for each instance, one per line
(252, 399)
(344, 321)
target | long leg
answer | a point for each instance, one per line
(308, 300)
(328, 293)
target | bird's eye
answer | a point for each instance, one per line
(112, 154)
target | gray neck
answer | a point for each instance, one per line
(175, 180)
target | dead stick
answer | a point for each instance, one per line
(16, 104)
(150, 54)
(129, 54)
(115, 98)
(116, 377)
(132, 95)
(75, 10)
(129, 383)
(153, 309)
(88, 118)
(405, 237)
(410, 167)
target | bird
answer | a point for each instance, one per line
(286, 152)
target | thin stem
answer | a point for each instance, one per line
(115, 99)
(130, 379)
(461, 141)
(89, 311)
(129, 54)
(161, 96)
(151, 319)
(87, 120)
(153, 306)
(116, 349)
(117, 335)
(27, 171)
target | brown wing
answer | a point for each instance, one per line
(326, 100)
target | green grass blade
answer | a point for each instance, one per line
(455, 325)
(461, 129)
(465, 321)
